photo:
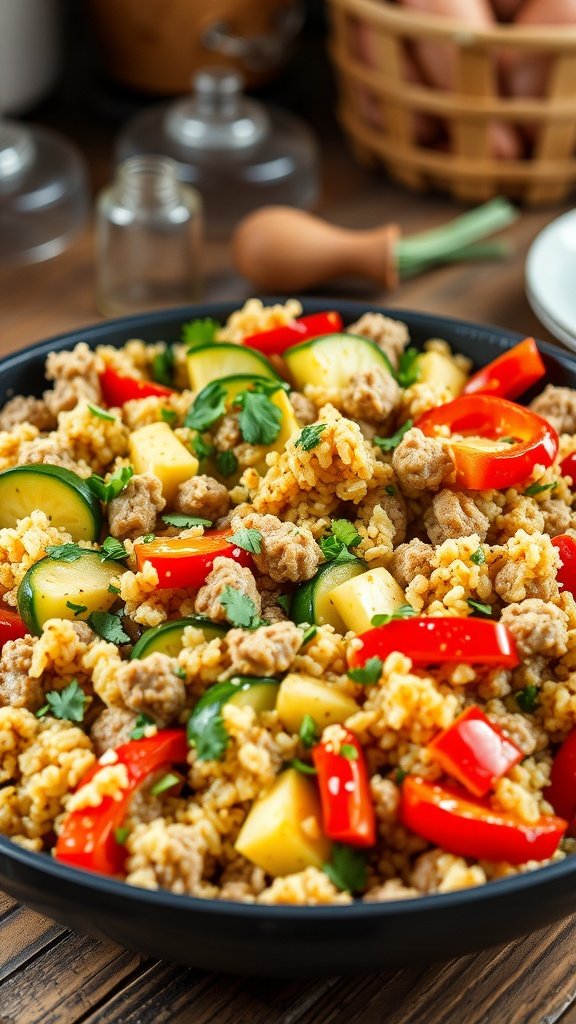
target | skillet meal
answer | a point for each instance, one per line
(287, 612)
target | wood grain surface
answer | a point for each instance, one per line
(49, 975)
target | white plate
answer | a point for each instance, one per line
(550, 278)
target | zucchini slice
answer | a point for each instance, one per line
(61, 494)
(205, 723)
(210, 362)
(311, 600)
(330, 361)
(167, 638)
(54, 589)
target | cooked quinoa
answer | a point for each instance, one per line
(82, 684)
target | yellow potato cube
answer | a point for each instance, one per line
(301, 695)
(283, 833)
(375, 592)
(436, 368)
(156, 449)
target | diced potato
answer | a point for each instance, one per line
(375, 592)
(301, 695)
(283, 832)
(156, 449)
(436, 368)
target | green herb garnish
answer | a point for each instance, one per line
(201, 448)
(96, 410)
(148, 538)
(309, 635)
(405, 611)
(247, 539)
(108, 490)
(76, 608)
(477, 606)
(121, 834)
(168, 415)
(369, 674)
(308, 732)
(408, 368)
(163, 367)
(240, 609)
(343, 535)
(391, 490)
(387, 444)
(199, 332)
(141, 724)
(65, 704)
(207, 407)
(310, 436)
(539, 488)
(109, 627)
(399, 776)
(259, 419)
(349, 752)
(185, 522)
(112, 550)
(478, 556)
(346, 868)
(166, 782)
(226, 463)
(528, 698)
(302, 766)
(65, 552)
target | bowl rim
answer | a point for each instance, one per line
(512, 885)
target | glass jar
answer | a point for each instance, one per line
(148, 239)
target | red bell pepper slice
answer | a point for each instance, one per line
(431, 640)
(276, 341)
(11, 626)
(475, 752)
(186, 562)
(469, 827)
(347, 810)
(87, 838)
(561, 792)
(568, 466)
(482, 416)
(117, 389)
(510, 374)
(566, 574)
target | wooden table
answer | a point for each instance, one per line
(52, 976)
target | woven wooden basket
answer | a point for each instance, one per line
(465, 166)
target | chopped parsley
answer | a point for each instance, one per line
(302, 766)
(247, 539)
(343, 535)
(226, 463)
(391, 490)
(509, 440)
(308, 732)
(148, 538)
(478, 557)
(207, 407)
(405, 611)
(259, 419)
(539, 488)
(76, 608)
(140, 726)
(369, 674)
(185, 522)
(180, 671)
(65, 552)
(408, 369)
(112, 589)
(387, 444)
(399, 776)
(96, 410)
(528, 698)
(112, 550)
(166, 782)
(346, 868)
(310, 436)
(66, 704)
(107, 490)
(121, 834)
(478, 607)
(199, 332)
(201, 448)
(240, 609)
(309, 635)
(284, 602)
(163, 367)
(168, 415)
(349, 752)
(109, 627)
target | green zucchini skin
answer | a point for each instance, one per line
(167, 637)
(305, 599)
(338, 357)
(53, 490)
(51, 583)
(241, 359)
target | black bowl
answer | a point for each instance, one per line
(278, 941)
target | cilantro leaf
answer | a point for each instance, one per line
(284, 602)
(163, 367)
(539, 488)
(346, 868)
(342, 536)
(408, 369)
(226, 463)
(168, 415)
(166, 782)
(259, 419)
(240, 609)
(66, 704)
(528, 698)
(247, 539)
(107, 490)
(148, 538)
(76, 608)
(478, 607)
(199, 332)
(399, 776)
(109, 627)
(113, 589)
(206, 730)
(185, 522)
(140, 725)
(369, 674)
(348, 751)
(121, 834)
(387, 444)
(405, 611)
(478, 557)
(201, 448)
(96, 410)
(308, 732)
(302, 766)
(310, 436)
(65, 552)
(112, 550)
(207, 407)
(391, 490)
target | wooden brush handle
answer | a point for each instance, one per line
(280, 249)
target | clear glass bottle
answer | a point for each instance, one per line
(148, 239)
(237, 152)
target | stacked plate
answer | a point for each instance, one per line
(551, 278)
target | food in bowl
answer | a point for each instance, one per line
(288, 612)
